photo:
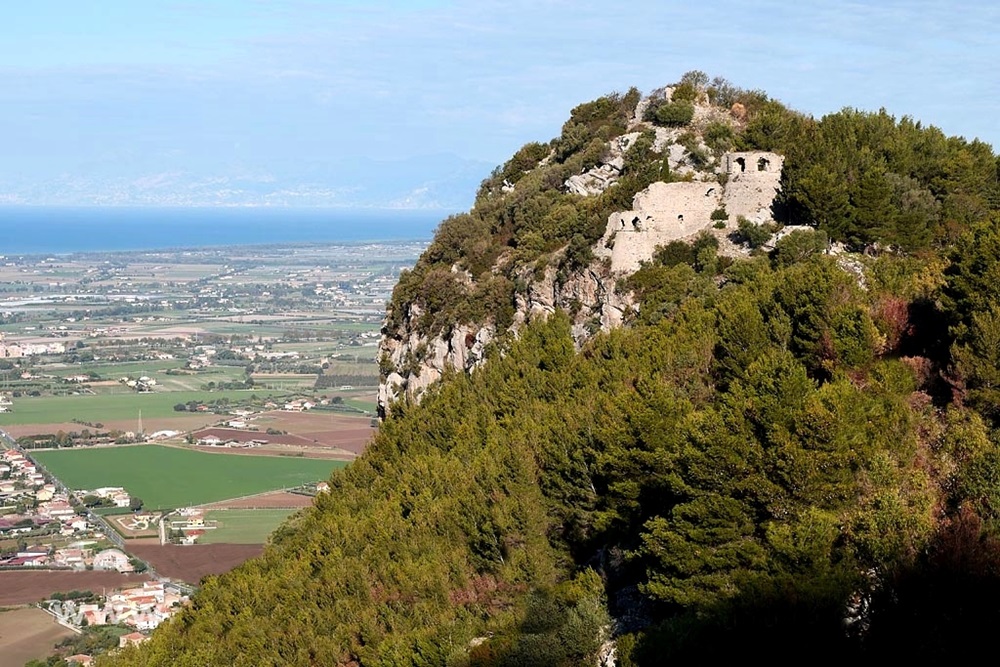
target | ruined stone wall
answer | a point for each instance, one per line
(661, 213)
(666, 212)
(753, 178)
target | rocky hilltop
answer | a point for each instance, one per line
(699, 188)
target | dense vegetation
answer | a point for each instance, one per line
(792, 452)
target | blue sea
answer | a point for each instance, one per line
(56, 230)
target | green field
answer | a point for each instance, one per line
(369, 406)
(169, 477)
(113, 371)
(111, 407)
(243, 526)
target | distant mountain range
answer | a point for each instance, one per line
(440, 181)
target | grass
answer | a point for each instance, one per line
(243, 526)
(113, 371)
(170, 477)
(112, 407)
(363, 405)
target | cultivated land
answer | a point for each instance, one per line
(186, 337)
(27, 634)
(235, 526)
(191, 563)
(170, 477)
(124, 407)
(277, 500)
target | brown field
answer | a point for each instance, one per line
(26, 586)
(191, 563)
(278, 500)
(323, 428)
(330, 453)
(27, 634)
(150, 425)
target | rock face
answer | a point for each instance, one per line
(597, 180)
(418, 362)
(742, 184)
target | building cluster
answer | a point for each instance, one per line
(298, 405)
(143, 607)
(18, 350)
(76, 556)
(113, 494)
(190, 526)
(141, 384)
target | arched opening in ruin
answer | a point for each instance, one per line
(710, 191)
(763, 164)
(680, 218)
(742, 163)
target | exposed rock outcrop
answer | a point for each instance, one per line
(416, 362)
(600, 178)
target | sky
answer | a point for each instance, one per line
(106, 101)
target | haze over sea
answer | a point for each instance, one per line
(35, 230)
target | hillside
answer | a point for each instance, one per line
(732, 392)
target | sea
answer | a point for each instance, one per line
(58, 230)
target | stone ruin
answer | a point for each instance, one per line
(666, 212)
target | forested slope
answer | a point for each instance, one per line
(790, 451)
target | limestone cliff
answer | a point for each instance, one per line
(699, 188)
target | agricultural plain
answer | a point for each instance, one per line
(171, 477)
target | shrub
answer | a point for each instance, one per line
(752, 234)
(720, 214)
(719, 136)
(685, 92)
(674, 114)
(799, 246)
(695, 78)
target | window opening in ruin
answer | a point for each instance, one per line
(743, 163)
(681, 217)
(763, 164)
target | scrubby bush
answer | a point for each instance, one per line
(674, 114)
(684, 92)
(752, 234)
(799, 246)
(719, 136)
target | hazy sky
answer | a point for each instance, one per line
(89, 83)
